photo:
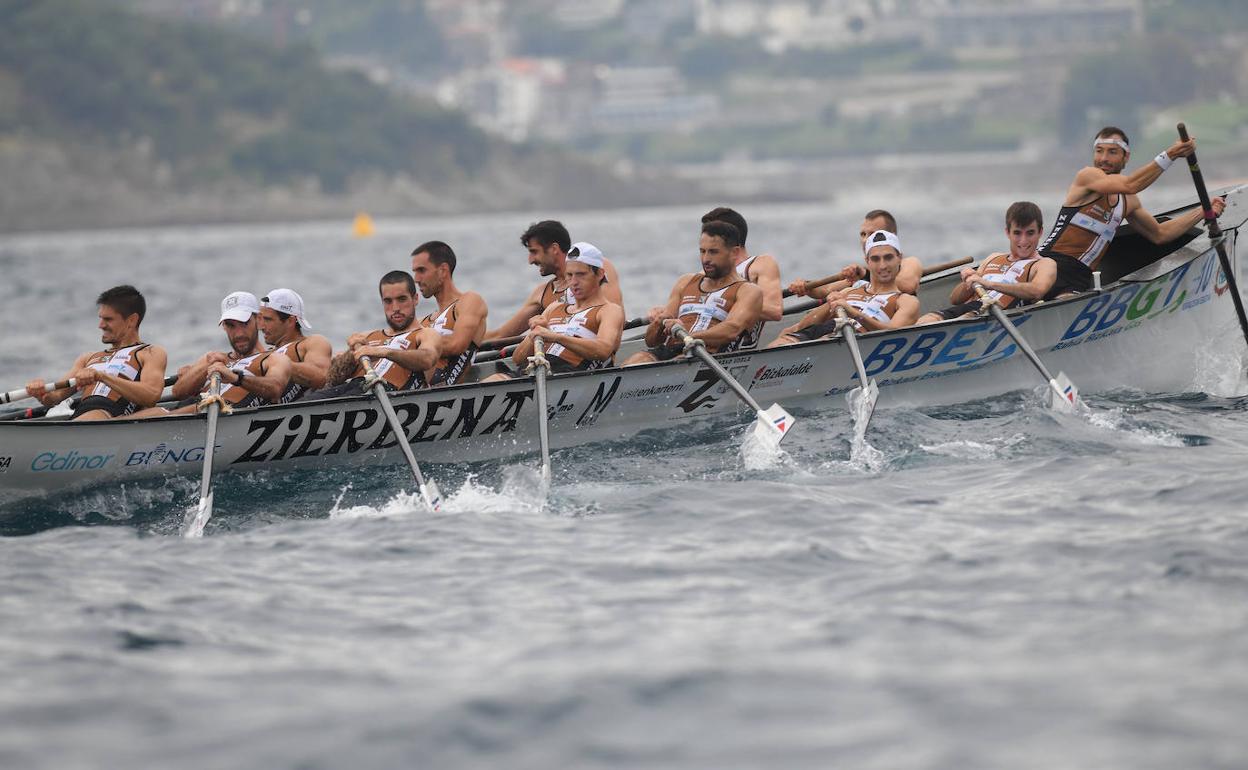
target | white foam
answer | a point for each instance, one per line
(1116, 420)
(521, 489)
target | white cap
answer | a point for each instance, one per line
(587, 253)
(881, 238)
(289, 302)
(239, 306)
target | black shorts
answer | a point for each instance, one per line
(814, 332)
(119, 408)
(957, 311)
(1072, 276)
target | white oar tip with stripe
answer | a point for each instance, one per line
(1063, 395)
(773, 424)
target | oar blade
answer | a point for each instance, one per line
(1063, 395)
(433, 496)
(862, 404)
(194, 526)
(773, 424)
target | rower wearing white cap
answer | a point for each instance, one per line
(285, 327)
(872, 305)
(907, 278)
(548, 244)
(1098, 201)
(716, 305)
(250, 375)
(580, 335)
(118, 381)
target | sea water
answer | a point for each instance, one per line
(992, 585)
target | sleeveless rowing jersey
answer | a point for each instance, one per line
(881, 306)
(237, 395)
(292, 351)
(700, 310)
(743, 268)
(449, 370)
(1083, 233)
(999, 268)
(119, 362)
(551, 295)
(390, 371)
(581, 323)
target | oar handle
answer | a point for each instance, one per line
(1198, 178)
(20, 393)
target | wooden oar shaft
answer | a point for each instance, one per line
(851, 339)
(1022, 343)
(400, 437)
(704, 355)
(1215, 233)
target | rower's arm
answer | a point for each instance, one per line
(655, 332)
(191, 379)
(1164, 232)
(272, 383)
(906, 314)
(472, 313)
(519, 323)
(610, 327)
(35, 387)
(145, 391)
(312, 371)
(910, 274)
(1043, 276)
(422, 356)
(744, 314)
(965, 291)
(767, 278)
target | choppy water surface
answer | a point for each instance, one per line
(996, 587)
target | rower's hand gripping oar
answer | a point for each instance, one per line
(20, 393)
(194, 525)
(540, 367)
(1215, 234)
(428, 489)
(862, 398)
(773, 423)
(1064, 394)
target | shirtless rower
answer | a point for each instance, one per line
(401, 352)
(716, 305)
(548, 244)
(582, 335)
(762, 270)
(115, 382)
(1018, 276)
(1098, 201)
(461, 315)
(872, 305)
(250, 375)
(907, 280)
(283, 323)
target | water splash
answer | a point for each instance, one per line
(520, 490)
(761, 454)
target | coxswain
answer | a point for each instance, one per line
(400, 353)
(716, 305)
(581, 335)
(461, 315)
(762, 270)
(250, 375)
(116, 382)
(872, 305)
(285, 327)
(907, 280)
(1099, 199)
(548, 244)
(1018, 276)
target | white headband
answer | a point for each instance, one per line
(881, 238)
(1111, 140)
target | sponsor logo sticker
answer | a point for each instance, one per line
(73, 460)
(162, 453)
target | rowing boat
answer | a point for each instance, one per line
(1143, 330)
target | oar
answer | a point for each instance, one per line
(1065, 395)
(194, 526)
(773, 423)
(862, 398)
(428, 489)
(1215, 234)
(20, 393)
(540, 367)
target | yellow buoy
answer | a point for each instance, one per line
(362, 227)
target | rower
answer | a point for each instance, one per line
(1098, 201)
(283, 323)
(548, 243)
(117, 381)
(872, 305)
(582, 335)
(761, 270)
(461, 315)
(250, 375)
(907, 279)
(716, 305)
(400, 352)
(1019, 276)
